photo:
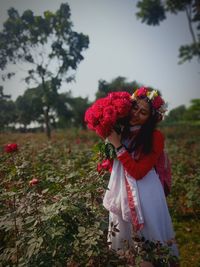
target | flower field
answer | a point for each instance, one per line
(51, 201)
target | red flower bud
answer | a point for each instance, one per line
(33, 182)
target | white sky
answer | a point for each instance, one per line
(120, 45)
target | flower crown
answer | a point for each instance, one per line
(156, 100)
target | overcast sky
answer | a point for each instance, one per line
(120, 45)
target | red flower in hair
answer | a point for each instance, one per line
(157, 102)
(141, 91)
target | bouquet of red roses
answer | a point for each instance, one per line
(104, 114)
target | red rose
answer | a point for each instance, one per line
(103, 130)
(109, 115)
(119, 95)
(97, 111)
(90, 118)
(101, 102)
(123, 107)
(104, 113)
(9, 148)
(107, 164)
(157, 102)
(33, 182)
(141, 91)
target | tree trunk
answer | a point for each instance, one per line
(46, 108)
(47, 123)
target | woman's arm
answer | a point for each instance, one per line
(138, 169)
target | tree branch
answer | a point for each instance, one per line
(188, 9)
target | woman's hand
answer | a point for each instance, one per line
(115, 139)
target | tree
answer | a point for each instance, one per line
(63, 109)
(7, 110)
(193, 111)
(117, 84)
(175, 115)
(2, 95)
(29, 106)
(152, 12)
(79, 106)
(48, 46)
(183, 114)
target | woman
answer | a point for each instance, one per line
(136, 198)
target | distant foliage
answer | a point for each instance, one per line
(116, 85)
(7, 110)
(152, 12)
(181, 114)
(66, 110)
(193, 112)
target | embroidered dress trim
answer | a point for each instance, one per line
(122, 196)
(134, 204)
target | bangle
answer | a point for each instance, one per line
(118, 148)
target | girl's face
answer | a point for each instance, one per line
(140, 112)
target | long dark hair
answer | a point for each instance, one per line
(143, 141)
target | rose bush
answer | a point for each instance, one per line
(60, 221)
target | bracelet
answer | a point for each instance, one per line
(121, 150)
(118, 148)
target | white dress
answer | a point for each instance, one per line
(153, 218)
